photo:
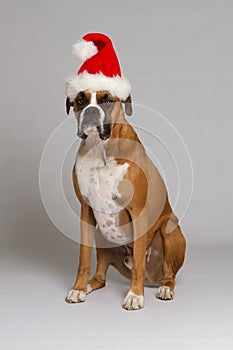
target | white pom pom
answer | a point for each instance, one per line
(84, 49)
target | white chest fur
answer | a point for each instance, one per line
(98, 181)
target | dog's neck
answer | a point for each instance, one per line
(124, 130)
(93, 147)
(92, 140)
(110, 148)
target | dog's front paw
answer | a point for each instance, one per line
(165, 293)
(133, 301)
(75, 296)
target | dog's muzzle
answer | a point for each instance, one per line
(91, 119)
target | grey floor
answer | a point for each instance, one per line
(36, 275)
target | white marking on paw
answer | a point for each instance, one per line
(89, 289)
(75, 296)
(133, 301)
(165, 293)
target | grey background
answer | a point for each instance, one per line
(178, 57)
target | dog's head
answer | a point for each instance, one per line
(98, 110)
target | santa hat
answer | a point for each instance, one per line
(100, 69)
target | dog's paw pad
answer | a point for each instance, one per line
(133, 301)
(165, 293)
(75, 296)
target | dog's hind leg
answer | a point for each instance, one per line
(174, 252)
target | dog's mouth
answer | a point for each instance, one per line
(93, 119)
(103, 129)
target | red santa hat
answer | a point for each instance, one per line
(100, 69)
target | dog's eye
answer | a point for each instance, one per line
(106, 100)
(80, 101)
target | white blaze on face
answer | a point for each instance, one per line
(93, 99)
(93, 103)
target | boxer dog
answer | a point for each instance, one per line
(124, 204)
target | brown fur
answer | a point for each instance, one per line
(148, 211)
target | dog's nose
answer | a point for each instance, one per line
(91, 112)
(91, 117)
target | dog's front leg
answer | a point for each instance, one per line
(134, 299)
(78, 292)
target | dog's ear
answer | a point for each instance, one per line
(128, 105)
(68, 105)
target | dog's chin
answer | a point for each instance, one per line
(93, 131)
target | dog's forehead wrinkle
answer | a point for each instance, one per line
(84, 94)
